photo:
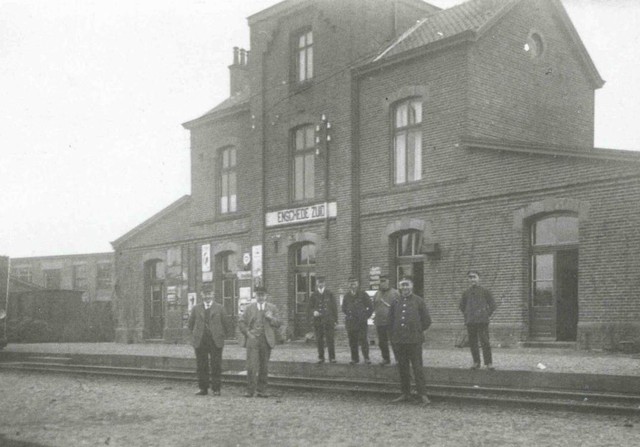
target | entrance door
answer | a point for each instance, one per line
(230, 297)
(304, 283)
(553, 307)
(154, 306)
(567, 295)
(157, 314)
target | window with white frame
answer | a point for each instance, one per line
(407, 141)
(304, 163)
(227, 175)
(304, 56)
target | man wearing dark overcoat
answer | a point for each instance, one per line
(357, 308)
(258, 324)
(477, 305)
(381, 304)
(208, 325)
(322, 312)
(409, 318)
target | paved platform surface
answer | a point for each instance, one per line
(508, 359)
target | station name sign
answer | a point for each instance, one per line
(303, 214)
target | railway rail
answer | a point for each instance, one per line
(568, 400)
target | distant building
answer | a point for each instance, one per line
(92, 274)
(370, 136)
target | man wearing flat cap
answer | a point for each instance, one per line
(258, 324)
(382, 301)
(322, 312)
(357, 308)
(409, 318)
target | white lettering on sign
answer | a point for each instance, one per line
(302, 214)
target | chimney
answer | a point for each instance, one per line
(238, 74)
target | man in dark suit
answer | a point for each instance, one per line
(322, 312)
(208, 325)
(258, 324)
(357, 308)
(408, 319)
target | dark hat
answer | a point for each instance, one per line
(384, 276)
(320, 277)
(406, 278)
(260, 289)
(352, 278)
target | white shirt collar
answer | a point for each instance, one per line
(321, 290)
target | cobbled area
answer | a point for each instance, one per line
(51, 410)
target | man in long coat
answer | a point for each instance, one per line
(357, 307)
(322, 312)
(208, 325)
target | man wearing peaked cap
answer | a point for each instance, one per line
(322, 312)
(357, 308)
(258, 324)
(408, 319)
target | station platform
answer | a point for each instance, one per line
(515, 367)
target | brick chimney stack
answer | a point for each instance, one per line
(238, 73)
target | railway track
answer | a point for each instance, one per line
(539, 398)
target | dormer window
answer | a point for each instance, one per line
(304, 56)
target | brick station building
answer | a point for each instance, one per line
(370, 136)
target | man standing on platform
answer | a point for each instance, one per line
(208, 325)
(258, 324)
(357, 308)
(477, 305)
(409, 318)
(323, 313)
(381, 304)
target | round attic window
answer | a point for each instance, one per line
(534, 45)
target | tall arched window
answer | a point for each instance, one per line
(303, 163)
(227, 176)
(407, 141)
(554, 278)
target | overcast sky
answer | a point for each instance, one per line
(93, 94)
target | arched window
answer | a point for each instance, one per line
(227, 176)
(407, 141)
(554, 277)
(303, 163)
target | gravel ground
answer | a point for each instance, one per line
(41, 410)
(520, 359)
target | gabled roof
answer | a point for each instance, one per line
(474, 16)
(230, 105)
(471, 20)
(152, 220)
